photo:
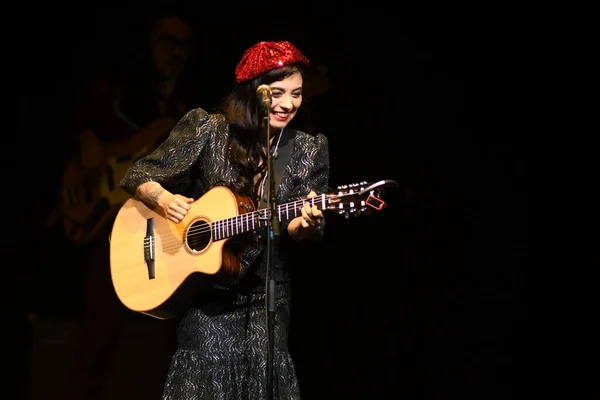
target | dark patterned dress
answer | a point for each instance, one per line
(222, 341)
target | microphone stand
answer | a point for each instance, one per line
(272, 241)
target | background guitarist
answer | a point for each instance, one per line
(123, 114)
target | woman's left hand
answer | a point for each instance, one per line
(311, 215)
(306, 225)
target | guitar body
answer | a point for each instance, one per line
(178, 251)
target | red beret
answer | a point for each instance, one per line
(266, 56)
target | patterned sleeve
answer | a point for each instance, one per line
(170, 163)
(311, 166)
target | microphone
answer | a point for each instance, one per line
(264, 94)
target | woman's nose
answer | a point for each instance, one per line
(286, 102)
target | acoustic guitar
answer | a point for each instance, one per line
(90, 196)
(152, 258)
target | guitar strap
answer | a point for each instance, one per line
(280, 162)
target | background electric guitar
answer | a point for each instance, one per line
(90, 197)
(151, 257)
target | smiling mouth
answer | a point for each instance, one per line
(281, 115)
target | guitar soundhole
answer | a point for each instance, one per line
(198, 236)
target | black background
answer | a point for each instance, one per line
(422, 300)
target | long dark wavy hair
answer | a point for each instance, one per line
(242, 110)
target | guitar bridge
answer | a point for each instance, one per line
(149, 248)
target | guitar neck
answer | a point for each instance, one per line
(254, 220)
(352, 199)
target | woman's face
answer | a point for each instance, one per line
(286, 100)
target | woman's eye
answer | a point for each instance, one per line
(279, 94)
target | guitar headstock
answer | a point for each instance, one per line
(357, 198)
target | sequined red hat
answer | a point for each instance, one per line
(265, 56)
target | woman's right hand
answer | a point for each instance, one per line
(175, 206)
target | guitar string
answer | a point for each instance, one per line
(175, 242)
(194, 232)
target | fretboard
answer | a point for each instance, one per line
(255, 220)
